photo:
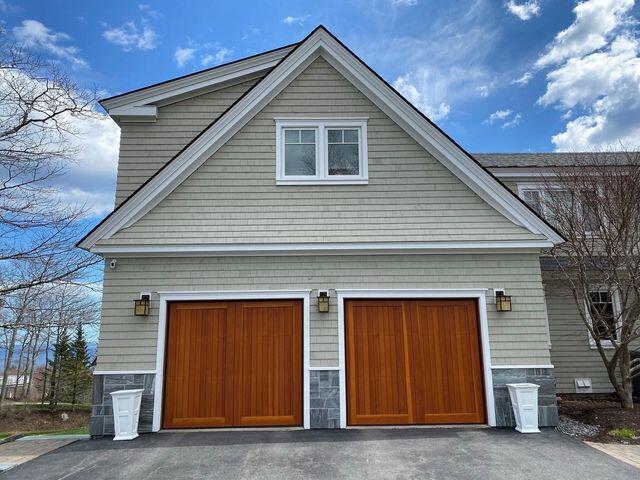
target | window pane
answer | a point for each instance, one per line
(292, 136)
(343, 159)
(335, 136)
(603, 315)
(351, 136)
(533, 198)
(308, 136)
(299, 159)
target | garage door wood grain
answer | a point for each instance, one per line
(413, 362)
(233, 364)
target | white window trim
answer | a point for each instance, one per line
(615, 298)
(322, 177)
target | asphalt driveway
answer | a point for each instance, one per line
(370, 454)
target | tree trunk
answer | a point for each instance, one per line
(625, 391)
(46, 367)
(7, 364)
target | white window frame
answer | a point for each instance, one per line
(615, 300)
(544, 189)
(322, 176)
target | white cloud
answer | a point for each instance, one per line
(149, 11)
(129, 36)
(483, 90)
(595, 21)
(291, 20)
(498, 115)
(183, 55)
(34, 34)
(215, 58)
(517, 118)
(404, 3)
(91, 180)
(415, 94)
(524, 11)
(523, 80)
(596, 84)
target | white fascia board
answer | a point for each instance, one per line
(380, 93)
(279, 249)
(204, 80)
(142, 113)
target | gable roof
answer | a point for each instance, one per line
(321, 42)
(141, 104)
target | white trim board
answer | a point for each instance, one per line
(497, 367)
(124, 372)
(141, 104)
(177, 296)
(349, 248)
(479, 294)
(320, 42)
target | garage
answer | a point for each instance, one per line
(412, 362)
(233, 364)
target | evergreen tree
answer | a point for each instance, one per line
(77, 372)
(61, 355)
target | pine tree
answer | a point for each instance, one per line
(77, 371)
(61, 354)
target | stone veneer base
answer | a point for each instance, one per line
(547, 407)
(324, 398)
(101, 422)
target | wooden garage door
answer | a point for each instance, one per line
(233, 364)
(413, 362)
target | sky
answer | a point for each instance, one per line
(498, 76)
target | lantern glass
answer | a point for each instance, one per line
(503, 303)
(323, 302)
(141, 307)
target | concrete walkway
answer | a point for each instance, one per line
(333, 454)
(627, 453)
(27, 448)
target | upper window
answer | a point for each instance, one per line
(603, 312)
(321, 151)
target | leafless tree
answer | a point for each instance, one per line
(38, 106)
(594, 201)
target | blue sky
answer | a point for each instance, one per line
(514, 75)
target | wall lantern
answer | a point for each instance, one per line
(503, 301)
(141, 306)
(323, 301)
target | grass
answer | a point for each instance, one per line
(62, 407)
(69, 431)
(624, 432)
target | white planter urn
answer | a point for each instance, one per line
(126, 411)
(524, 399)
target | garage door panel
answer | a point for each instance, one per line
(413, 362)
(197, 357)
(379, 390)
(270, 347)
(233, 364)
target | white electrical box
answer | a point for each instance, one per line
(583, 385)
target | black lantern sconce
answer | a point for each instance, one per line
(503, 301)
(323, 301)
(141, 306)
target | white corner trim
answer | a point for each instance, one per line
(478, 294)
(207, 79)
(504, 367)
(167, 296)
(320, 42)
(333, 248)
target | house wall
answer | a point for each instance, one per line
(146, 147)
(233, 197)
(128, 342)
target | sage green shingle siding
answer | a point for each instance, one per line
(518, 337)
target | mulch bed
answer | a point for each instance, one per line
(593, 417)
(21, 420)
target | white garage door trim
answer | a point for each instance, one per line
(181, 296)
(472, 293)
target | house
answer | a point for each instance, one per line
(295, 244)
(13, 383)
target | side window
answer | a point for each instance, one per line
(300, 151)
(602, 309)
